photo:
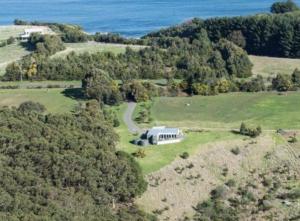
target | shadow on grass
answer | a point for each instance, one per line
(74, 93)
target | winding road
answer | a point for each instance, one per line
(127, 118)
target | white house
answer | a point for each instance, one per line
(164, 135)
(39, 30)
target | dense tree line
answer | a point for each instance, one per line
(207, 61)
(65, 167)
(263, 34)
(284, 7)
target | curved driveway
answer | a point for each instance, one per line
(127, 118)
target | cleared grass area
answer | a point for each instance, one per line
(270, 110)
(93, 47)
(269, 66)
(160, 156)
(53, 99)
(9, 54)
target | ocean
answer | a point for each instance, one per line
(131, 18)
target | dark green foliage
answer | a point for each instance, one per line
(46, 44)
(254, 85)
(13, 72)
(138, 91)
(284, 7)
(29, 106)
(251, 132)
(184, 155)
(236, 151)
(296, 77)
(264, 34)
(205, 61)
(282, 83)
(65, 167)
(98, 85)
(215, 208)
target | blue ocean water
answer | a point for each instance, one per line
(128, 17)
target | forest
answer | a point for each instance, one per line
(65, 167)
(275, 34)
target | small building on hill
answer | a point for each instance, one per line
(35, 30)
(164, 135)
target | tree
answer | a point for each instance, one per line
(282, 82)
(98, 85)
(296, 77)
(284, 7)
(237, 38)
(13, 72)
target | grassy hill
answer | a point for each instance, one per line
(270, 110)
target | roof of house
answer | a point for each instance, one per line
(162, 130)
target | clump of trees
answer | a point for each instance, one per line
(65, 167)
(284, 7)
(284, 82)
(205, 61)
(248, 131)
(45, 44)
(264, 34)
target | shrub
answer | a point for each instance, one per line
(30, 106)
(139, 154)
(184, 155)
(230, 183)
(251, 132)
(236, 151)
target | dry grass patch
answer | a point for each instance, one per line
(270, 66)
(182, 184)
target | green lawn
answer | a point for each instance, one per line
(160, 156)
(269, 66)
(93, 47)
(53, 99)
(270, 110)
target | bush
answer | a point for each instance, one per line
(230, 183)
(251, 132)
(284, 7)
(139, 154)
(30, 106)
(236, 151)
(184, 155)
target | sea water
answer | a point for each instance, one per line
(132, 18)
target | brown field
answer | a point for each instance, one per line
(176, 188)
(269, 66)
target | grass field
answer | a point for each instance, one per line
(53, 99)
(268, 66)
(270, 110)
(160, 156)
(93, 47)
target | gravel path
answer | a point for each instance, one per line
(127, 118)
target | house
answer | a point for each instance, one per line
(164, 135)
(39, 30)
